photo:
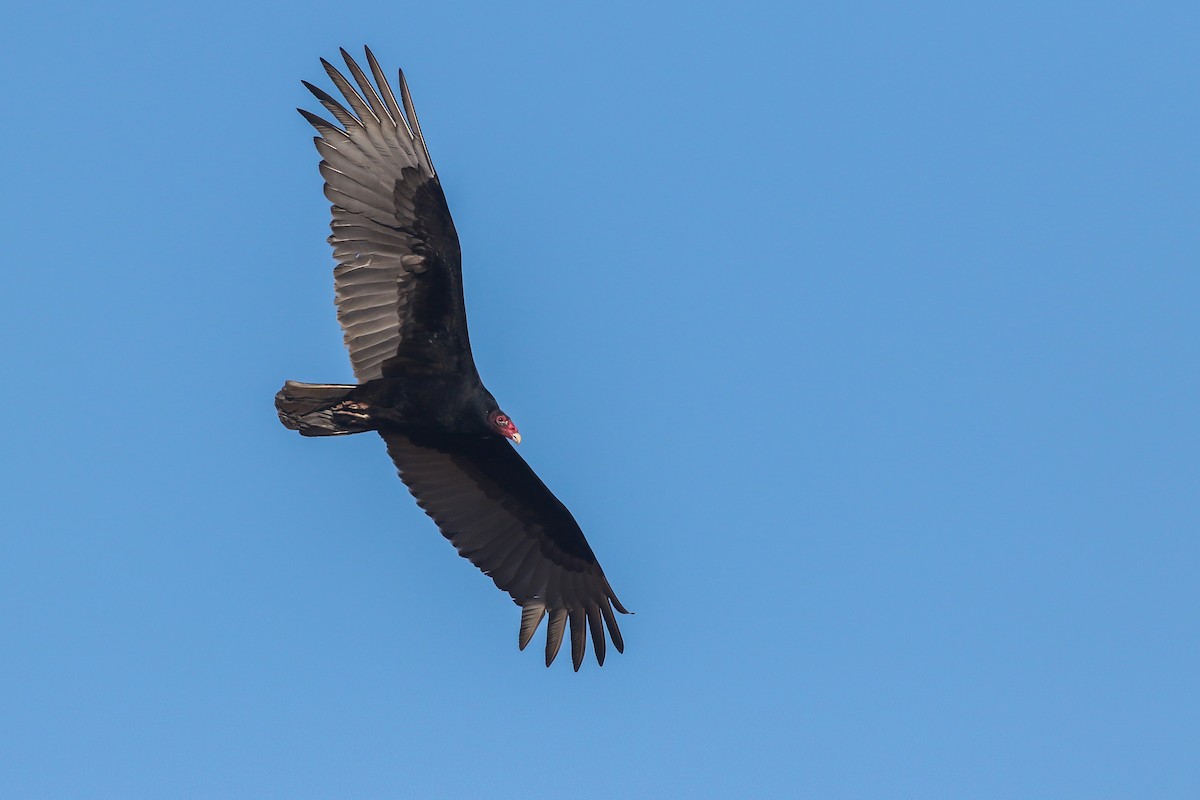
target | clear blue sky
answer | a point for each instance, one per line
(862, 339)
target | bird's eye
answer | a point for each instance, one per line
(501, 419)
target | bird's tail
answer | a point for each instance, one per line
(320, 409)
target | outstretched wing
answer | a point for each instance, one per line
(497, 512)
(399, 275)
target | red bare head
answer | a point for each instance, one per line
(505, 427)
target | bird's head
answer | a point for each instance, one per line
(504, 426)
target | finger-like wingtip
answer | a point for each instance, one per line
(531, 617)
(578, 634)
(597, 628)
(613, 631)
(554, 633)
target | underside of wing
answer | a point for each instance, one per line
(398, 278)
(495, 510)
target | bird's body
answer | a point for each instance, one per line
(450, 403)
(400, 303)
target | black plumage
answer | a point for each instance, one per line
(399, 295)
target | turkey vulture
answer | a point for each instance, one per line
(399, 295)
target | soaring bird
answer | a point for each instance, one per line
(399, 295)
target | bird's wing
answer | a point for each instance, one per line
(497, 512)
(399, 275)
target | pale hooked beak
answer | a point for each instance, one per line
(516, 438)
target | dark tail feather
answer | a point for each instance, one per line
(316, 409)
